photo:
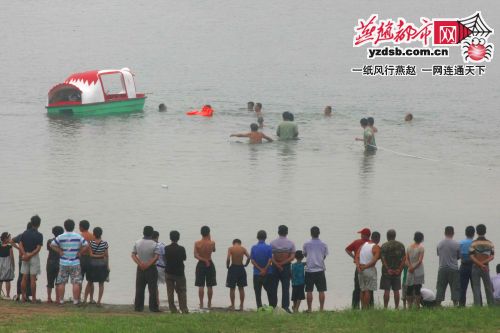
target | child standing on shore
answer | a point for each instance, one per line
(298, 278)
(52, 267)
(7, 264)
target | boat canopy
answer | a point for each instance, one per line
(94, 87)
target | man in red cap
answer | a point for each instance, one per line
(351, 251)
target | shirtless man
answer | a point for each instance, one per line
(255, 136)
(205, 269)
(236, 274)
(258, 109)
(371, 124)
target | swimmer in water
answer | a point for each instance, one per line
(368, 136)
(260, 121)
(328, 111)
(254, 136)
(408, 117)
(371, 123)
(258, 109)
(162, 107)
(250, 106)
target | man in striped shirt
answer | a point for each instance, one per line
(481, 252)
(69, 245)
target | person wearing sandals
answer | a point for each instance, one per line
(7, 265)
(99, 265)
(415, 276)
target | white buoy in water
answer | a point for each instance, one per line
(164, 186)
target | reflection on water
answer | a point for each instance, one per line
(367, 168)
(66, 125)
(253, 154)
(287, 150)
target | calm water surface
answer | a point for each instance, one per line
(289, 55)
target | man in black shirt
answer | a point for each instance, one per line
(29, 246)
(175, 255)
(52, 263)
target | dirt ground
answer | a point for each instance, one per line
(10, 309)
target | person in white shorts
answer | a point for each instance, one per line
(30, 243)
(366, 259)
(160, 264)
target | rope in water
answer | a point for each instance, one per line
(405, 155)
(430, 159)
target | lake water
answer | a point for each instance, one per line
(289, 55)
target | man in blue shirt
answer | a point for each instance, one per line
(261, 256)
(466, 264)
(29, 246)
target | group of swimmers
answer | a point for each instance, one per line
(288, 129)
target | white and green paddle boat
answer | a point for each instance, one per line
(96, 93)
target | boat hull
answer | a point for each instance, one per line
(96, 109)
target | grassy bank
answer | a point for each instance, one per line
(42, 318)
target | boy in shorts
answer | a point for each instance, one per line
(236, 274)
(298, 278)
(52, 263)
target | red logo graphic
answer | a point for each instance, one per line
(449, 32)
(470, 33)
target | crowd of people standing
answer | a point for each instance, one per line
(272, 267)
(403, 269)
(74, 256)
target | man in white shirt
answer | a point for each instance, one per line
(428, 298)
(366, 258)
(495, 282)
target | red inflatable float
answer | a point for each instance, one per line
(206, 111)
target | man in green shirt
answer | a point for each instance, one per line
(368, 136)
(393, 257)
(287, 130)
